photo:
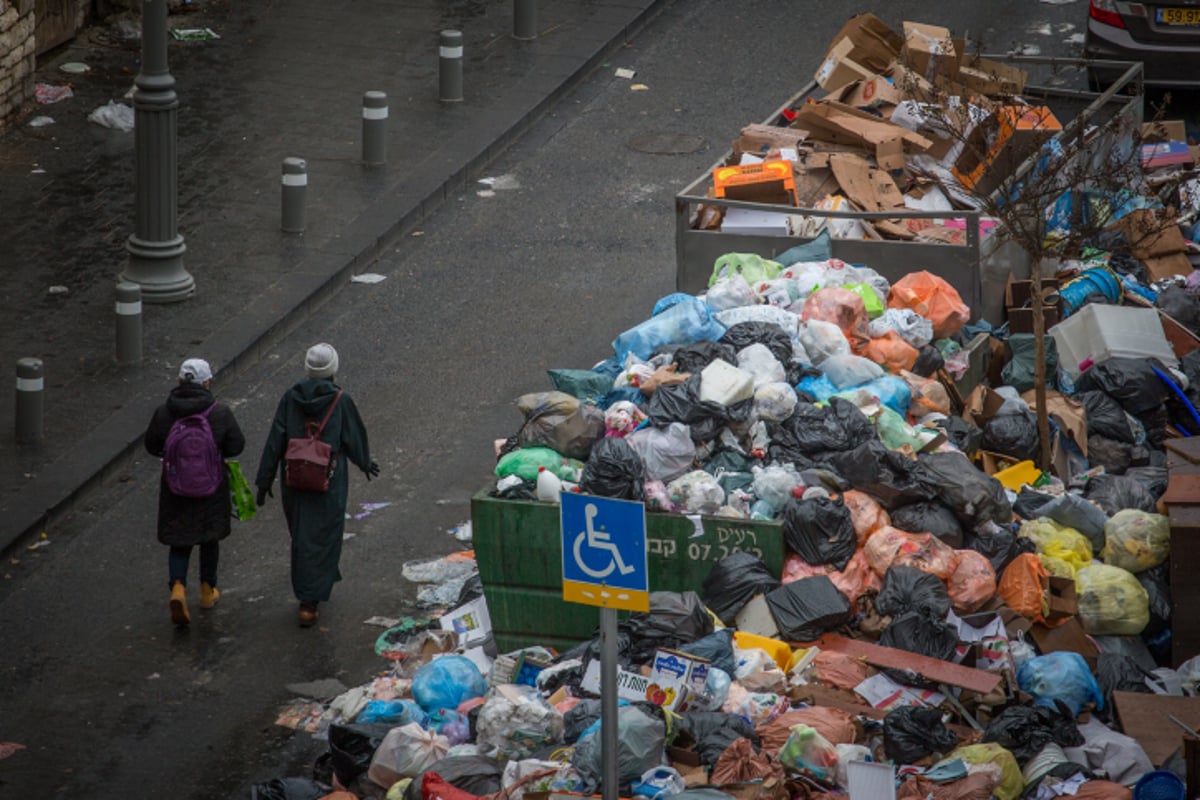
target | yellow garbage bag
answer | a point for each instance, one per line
(1135, 540)
(1059, 541)
(1011, 782)
(1111, 601)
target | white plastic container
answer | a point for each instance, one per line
(549, 487)
(1099, 332)
(723, 383)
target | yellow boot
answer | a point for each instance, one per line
(208, 595)
(179, 609)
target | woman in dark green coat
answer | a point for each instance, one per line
(316, 520)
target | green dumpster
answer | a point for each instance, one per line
(518, 545)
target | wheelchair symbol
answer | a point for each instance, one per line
(599, 540)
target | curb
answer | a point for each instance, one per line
(246, 337)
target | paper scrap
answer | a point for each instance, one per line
(368, 277)
(886, 694)
(40, 122)
(622, 72)
(382, 622)
(639, 87)
(194, 34)
(301, 715)
(47, 94)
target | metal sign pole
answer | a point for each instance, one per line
(608, 702)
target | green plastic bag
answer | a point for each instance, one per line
(243, 496)
(524, 463)
(581, 383)
(751, 266)
(870, 298)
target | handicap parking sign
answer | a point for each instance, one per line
(604, 552)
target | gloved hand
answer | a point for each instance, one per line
(263, 493)
(372, 470)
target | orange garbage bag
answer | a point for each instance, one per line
(924, 551)
(973, 582)
(839, 670)
(856, 578)
(835, 725)
(1023, 587)
(843, 308)
(932, 298)
(866, 514)
(891, 352)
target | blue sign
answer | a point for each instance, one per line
(604, 552)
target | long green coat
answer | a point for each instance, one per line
(316, 520)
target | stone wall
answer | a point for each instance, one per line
(16, 57)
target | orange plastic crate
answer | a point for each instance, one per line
(768, 182)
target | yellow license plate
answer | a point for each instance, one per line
(1179, 16)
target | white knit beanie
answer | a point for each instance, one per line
(321, 361)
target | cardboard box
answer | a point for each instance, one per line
(864, 46)
(929, 50)
(635, 687)
(1062, 602)
(763, 139)
(998, 145)
(1016, 303)
(868, 188)
(1157, 243)
(671, 666)
(837, 123)
(990, 77)
(875, 91)
(1173, 130)
(1166, 154)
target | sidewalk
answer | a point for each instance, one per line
(283, 80)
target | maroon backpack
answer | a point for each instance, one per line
(308, 462)
(191, 461)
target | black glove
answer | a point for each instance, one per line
(372, 470)
(263, 493)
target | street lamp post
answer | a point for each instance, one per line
(156, 247)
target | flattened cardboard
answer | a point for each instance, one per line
(865, 41)
(762, 139)
(1157, 243)
(1069, 636)
(830, 121)
(1146, 717)
(869, 188)
(1067, 412)
(1167, 130)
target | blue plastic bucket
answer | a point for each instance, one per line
(1089, 282)
(1160, 784)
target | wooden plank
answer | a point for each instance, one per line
(1145, 718)
(976, 680)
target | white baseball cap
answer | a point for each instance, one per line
(195, 370)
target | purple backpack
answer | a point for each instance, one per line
(191, 462)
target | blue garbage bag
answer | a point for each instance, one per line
(447, 682)
(686, 321)
(1060, 676)
(392, 712)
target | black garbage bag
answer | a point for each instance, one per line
(1181, 305)
(1154, 479)
(680, 402)
(922, 634)
(863, 465)
(1025, 730)
(289, 789)
(930, 517)
(698, 355)
(913, 732)
(524, 490)
(1132, 382)
(929, 361)
(1117, 672)
(902, 481)
(475, 774)
(579, 718)
(1155, 421)
(1114, 456)
(974, 496)
(472, 590)
(710, 732)
(813, 429)
(674, 617)
(1012, 435)
(1030, 502)
(733, 581)
(806, 608)
(352, 746)
(1105, 417)
(561, 422)
(1157, 583)
(744, 334)
(820, 530)
(997, 544)
(717, 647)
(1114, 493)
(614, 469)
(964, 435)
(908, 589)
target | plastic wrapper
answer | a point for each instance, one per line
(780, 341)
(891, 352)
(972, 584)
(754, 707)
(622, 418)
(1114, 493)
(929, 517)
(774, 402)
(696, 492)
(446, 682)
(666, 452)
(687, 321)
(909, 589)
(614, 469)
(561, 422)
(406, 752)
(1136, 541)
(928, 396)
(823, 340)
(809, 752)
(806, 608)
(761, 364)
(904, 322)
(731, 292)
(866, 514)
(515, 721)
(847, 371)
(1011, 781)
(1063, 677)
(932, 298)
(911, 733)
(841, 307)
(1058, 541)
(820, 530)
(1111, 601)
(973, 496)
(733, 581)
(891, 547)
(1025, 730)
(774, 484)
(1023, 587)
(526, 462)
(640, 742)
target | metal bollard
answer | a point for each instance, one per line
(293, 191)
(525, 19)
(30, 405)
(374, 128)
(450, 67)
(129, 323)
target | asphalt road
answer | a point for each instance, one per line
(571, 247)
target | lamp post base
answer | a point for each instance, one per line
(157, 267)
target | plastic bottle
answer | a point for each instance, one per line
(549, 486)
(761, 509)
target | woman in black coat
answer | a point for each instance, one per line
(185, 522)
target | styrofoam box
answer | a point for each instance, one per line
(1100, 332)
(724, 383)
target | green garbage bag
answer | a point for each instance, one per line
(582, 383)
(870, 297)
(243, 496)
(751, 266)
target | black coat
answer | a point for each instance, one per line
(194, 520)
